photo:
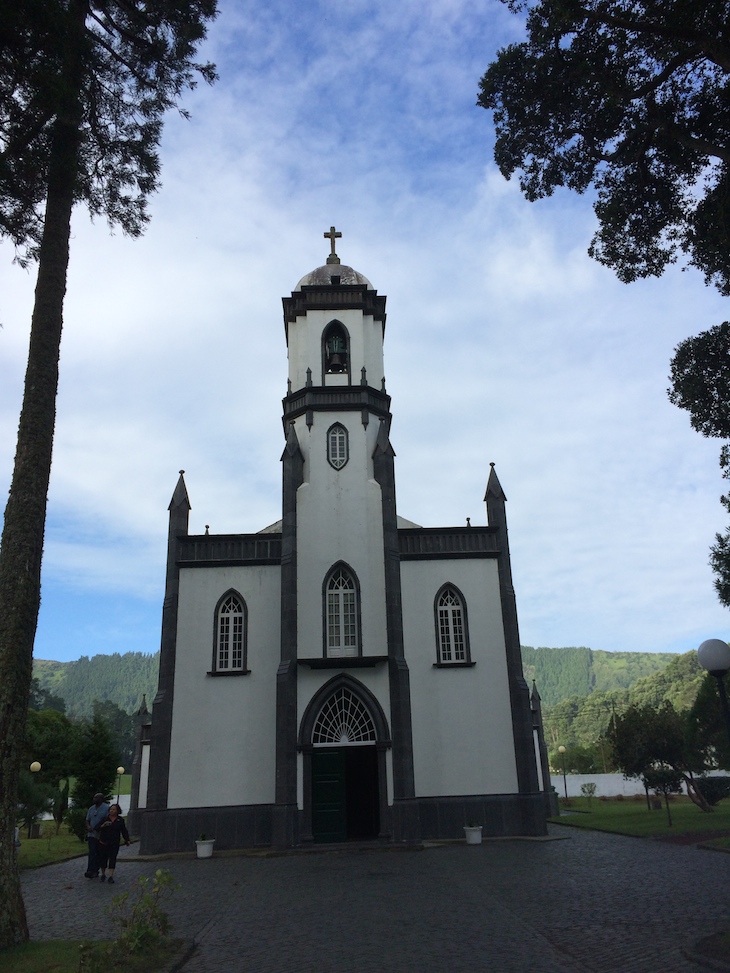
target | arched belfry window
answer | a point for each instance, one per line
(341, 613)
(337, 446)
(229, 652)
(452, 636)
(336, 348)
(343, 720)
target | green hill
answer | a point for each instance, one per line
(123, 679)
(579, 671)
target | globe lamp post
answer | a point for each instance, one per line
(35, 767)
(714, 656)
(561, 751)
(120, 771)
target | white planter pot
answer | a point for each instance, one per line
(204, 849)
(473, 835)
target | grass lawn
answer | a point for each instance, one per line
(631, 817)
(62, 956)
(50, 847)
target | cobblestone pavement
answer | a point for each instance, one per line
(590, 903)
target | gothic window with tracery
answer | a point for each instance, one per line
(343, 719)
(337, 446)
(230, 649)
(341, 614)
(451, 632)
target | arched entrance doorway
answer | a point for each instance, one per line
(344, 765)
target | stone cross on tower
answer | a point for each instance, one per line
(332, 236)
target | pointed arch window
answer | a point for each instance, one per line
(336, 348)
(452, 634)
(343, 720)
(230, 648)
(338, 446)
(342, 613)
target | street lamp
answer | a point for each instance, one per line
(35, 767)
(561, 751)
(120, 771)
(714, 655)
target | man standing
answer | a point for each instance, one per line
(96, 816)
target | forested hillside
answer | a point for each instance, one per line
(582, 720)
(579, 671)
(123, 679)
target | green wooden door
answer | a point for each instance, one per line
(329, 809)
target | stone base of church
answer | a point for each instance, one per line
(500, 815)
(175, 829)
(411, 821)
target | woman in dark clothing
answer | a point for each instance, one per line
(111, 833)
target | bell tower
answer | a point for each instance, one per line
(341, 598)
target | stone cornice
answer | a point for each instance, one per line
(323, 398)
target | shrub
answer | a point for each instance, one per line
(714, 789)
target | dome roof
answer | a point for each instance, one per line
(323, 276)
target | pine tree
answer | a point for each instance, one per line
(84, 85)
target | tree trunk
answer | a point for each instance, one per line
(21, 547)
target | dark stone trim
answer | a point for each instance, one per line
(425, 543)
(350, 296)
(175, 829)
(229, 672)
(233, 562)
(500, 815)
(342, 398)
(285, 816)
(161, 724)
(398, 675)
(209, 550)
(345, 662)
(519, 694)
(429, 818)
(454, 665)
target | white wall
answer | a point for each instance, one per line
(607, 785)
(223, 731)
(462, 723)
(339, 517)
(305, 347)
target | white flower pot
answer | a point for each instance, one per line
(204, 848)
(473, 835)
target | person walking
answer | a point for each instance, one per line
(95, 817)
(110, 835)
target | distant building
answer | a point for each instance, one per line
(344, 673)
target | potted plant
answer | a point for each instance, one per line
(473, 833)
(204, 846)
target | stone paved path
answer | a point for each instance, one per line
(591, 903)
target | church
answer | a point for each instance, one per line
(344, 674)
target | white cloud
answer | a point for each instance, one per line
(504, 341)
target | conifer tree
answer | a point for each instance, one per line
(84, 85)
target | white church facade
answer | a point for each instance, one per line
(343, 674)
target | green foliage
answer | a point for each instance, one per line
(631, 101)
(700, 379)
(121, 679)
(706, 723)
(34, 799)
(95, 770)
(714, 789)
(578, 671)
(43, 699)
(588, 790)
(140, 915)
(109, 71)
(121, 728)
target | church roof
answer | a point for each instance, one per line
(323, 276)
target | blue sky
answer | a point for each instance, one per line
(504, 342)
